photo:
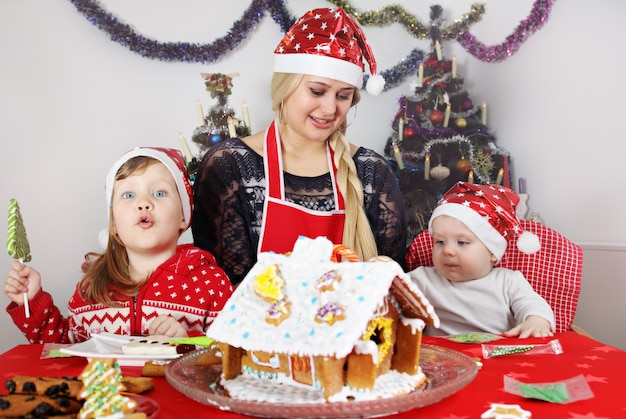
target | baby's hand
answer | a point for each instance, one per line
(22, 279)
(166, 326)
(534, 326)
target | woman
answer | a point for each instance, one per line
(302, 176)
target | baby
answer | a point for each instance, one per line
(470, 227)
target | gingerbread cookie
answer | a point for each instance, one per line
(154, 368)
(44, 386)
(28, 405)
(213, 356)
(138, 385)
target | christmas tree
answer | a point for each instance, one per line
(440, 136)
(220, 122)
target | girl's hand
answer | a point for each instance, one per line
(166, 326)
(534, 326)
(22, 279)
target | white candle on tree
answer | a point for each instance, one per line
(246, 114)
(420, 75)
(484, 114)
(200, 112)
(232, 132)
(185, 147)
(499, 178)
(438, 50)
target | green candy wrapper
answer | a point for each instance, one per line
(561, 392)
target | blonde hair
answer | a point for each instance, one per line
(102, 270)
(357, 232)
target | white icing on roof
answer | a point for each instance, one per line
(241, 323)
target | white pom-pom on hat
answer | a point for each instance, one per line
(528, 243)
(375, 85)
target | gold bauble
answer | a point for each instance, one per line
(460, 122)
(463, 165)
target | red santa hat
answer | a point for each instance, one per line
(489, 211)
(175, 163)
(328, 42)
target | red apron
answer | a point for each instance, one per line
(284, 221)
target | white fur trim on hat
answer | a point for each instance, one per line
(481, 227)
(319, 65)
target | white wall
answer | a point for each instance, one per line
(72, 101)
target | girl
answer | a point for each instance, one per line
(144, 283)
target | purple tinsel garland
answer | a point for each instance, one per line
(535, 20)
(211, 52)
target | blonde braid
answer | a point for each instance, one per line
(357, 232)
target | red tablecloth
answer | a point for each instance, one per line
(602, 366)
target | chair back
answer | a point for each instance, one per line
(554, 272)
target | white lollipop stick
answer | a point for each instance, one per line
(25, 295)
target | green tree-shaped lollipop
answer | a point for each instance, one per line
(17, 241)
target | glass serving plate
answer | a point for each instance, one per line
(447, 372)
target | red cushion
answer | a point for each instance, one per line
(555, 271)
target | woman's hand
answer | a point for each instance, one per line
(166, 326)
(22, 279)
(534, 326)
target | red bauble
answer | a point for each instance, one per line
(418, 109)
(409, 132)
(436, 116)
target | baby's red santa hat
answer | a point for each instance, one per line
(328, 42)
(175, 163)
(490, 212)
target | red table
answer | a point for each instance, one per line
(603, 367)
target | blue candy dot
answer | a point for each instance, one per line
(360, 277)
(287, 335)
(361, 298)
(246, 335)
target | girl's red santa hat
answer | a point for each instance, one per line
(489, 211)
(330, 43)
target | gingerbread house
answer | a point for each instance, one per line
(335, 328)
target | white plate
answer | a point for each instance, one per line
(109, 345)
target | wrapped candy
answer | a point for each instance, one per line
(17, 241)
(551, 348)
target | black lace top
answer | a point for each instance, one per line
(229, 192)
